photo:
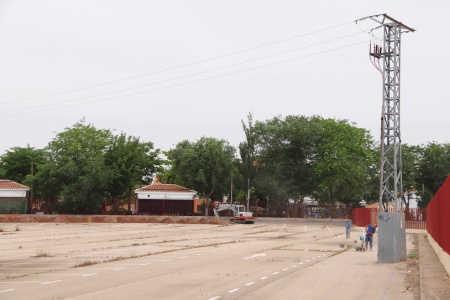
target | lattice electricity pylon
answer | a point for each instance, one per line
(391, 185)
(391, 224)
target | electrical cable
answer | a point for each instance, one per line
(177, 67)
(185, 76)
(375, 61)
(186, 83)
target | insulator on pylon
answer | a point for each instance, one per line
(376, 49)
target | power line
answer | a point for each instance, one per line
(189, 75)
(177, 67)
(186, 83)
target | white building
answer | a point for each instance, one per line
(13, 197)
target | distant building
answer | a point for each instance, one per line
(315, 209)
(377, 206)
(164, 199)
(13, 197)
(413, 198)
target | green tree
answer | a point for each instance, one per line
(425, 198)
(19, 162)
(285, 169)
(298, 156)
(247, 151)
(371, 189)
(410, 168)
(84, 185)
(76, 167)
(434, 167)
(342, 161)
(132, 163)
(284, 166)
(204, 166)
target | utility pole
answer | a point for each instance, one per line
(231, 188)
(391, 215)
(30, 204)
(248, 193)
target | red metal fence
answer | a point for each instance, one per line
(438, 225)
(363, 216)
(415, 218)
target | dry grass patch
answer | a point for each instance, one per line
(85, 264)
(42, 253)
(119, 258)
(170, 241)
(412, 276)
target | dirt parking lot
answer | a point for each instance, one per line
(271, 259)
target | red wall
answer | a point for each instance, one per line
(415, 218)
(438, 216)
(364, 216)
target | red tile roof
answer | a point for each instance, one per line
(163, 187)
(6, 184)
(377, 205)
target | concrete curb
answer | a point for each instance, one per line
(421, 272)
(434, 280)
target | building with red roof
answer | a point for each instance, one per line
(13, 197)
(164, 199)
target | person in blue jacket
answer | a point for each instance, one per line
(370, 231)
(348, 227)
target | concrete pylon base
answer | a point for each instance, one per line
(391, 237)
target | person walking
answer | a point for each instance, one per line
(370, 231)
(348, 226)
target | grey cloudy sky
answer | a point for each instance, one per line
(175, 90)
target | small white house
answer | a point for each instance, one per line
(165, 199)
(13, 197)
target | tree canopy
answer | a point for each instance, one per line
(77, 169)
(86, 165)
(132, 164)
(19, 162)
(343, 161)
(284, 159)
(247, 151)
(310, 156)
(204, 165)
(433, 169)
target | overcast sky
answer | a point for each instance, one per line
(166, 71)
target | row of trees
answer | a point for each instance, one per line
(280, 159)
(294, 157)
(82, 167)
